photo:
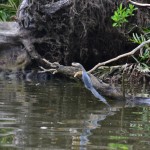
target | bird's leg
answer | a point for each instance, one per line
(79, 73)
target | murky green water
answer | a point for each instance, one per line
(58, 115)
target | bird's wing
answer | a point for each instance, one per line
(87, 81)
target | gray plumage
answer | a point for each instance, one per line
(88, 84)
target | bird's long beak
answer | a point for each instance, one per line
(79, 73)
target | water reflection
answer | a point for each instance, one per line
(64, 115)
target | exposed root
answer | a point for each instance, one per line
(58, 27)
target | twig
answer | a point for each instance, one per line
(131, 29)
(54, 64)
(139, 4)
(47, 62)
(53, 71)
(120, 56)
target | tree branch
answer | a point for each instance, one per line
(139, 4)
(53, 71)
(70, 71)
(120, 56)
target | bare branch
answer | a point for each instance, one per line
(53, 71)
(120, 56)
(139, 4)
(47, 62)
(53, 65)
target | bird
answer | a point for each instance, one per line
(88, 83)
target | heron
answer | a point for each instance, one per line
(88, 83)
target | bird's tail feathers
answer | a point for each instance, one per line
(97, 95)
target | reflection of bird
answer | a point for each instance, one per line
(88, 83)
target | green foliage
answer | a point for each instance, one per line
(8, 9)
(145, 53)
(120, 17)
(121, 14)
(3, 16)
(118, 146)
(138, 38)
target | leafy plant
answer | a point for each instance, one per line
(144, 56)
(3, 16)
(138, 39)
(121, 14)
(8, 9)
(145, 53)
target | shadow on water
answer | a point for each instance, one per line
(64, 115)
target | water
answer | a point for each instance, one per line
(59, 115)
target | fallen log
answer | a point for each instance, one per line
(104, 88)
